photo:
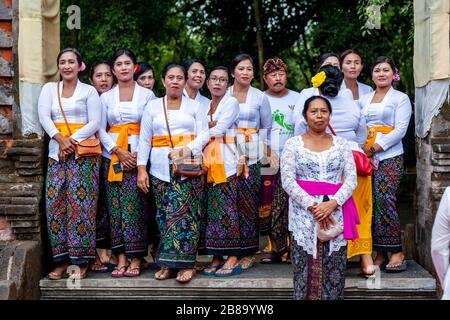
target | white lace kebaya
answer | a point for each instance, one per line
(300, 163)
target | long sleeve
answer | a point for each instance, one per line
(107, 142)
(361, 132)
(201, 131)
(266, 119)
(440, 238)
(45, 110)
(94, 117)
(145, 137)
(289, 177)
(402, 117)
(229, 116)
(350, 176)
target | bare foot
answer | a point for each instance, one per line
(185, 275)
(163, 274)
(367, 264)
(396, 260)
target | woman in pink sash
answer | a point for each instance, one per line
(319, 175)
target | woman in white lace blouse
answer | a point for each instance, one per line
(311, 165)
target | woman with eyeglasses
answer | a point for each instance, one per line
(222, 236)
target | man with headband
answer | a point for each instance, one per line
(274, 203)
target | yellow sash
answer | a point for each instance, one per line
(62, 128)
(213, 159)
(247, 132)
(372, 133)
(124, 130)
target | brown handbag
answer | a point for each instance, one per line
(87, 147)
(188, 167)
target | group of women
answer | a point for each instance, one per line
(132, 196)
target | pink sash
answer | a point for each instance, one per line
(349, 211)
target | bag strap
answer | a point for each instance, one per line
(331, 129)
(167, 121)
(62, 111)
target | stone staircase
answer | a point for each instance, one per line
(260, 282)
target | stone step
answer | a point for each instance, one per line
(260, 282)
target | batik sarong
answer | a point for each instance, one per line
(128, 212)
(71, 205)
(386, 230)
(279, 233)
(318, 279)
(249, 193)
(223, 221)
(179, 216)
(103, 228)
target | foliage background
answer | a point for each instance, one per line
(215, 30)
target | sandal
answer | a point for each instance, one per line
(213, 269)
(400, 268)
(130, 271)
(237, 269)
(120, 273)
(58, 276)
(164, 274)
(81, 275)
(183, 272)
(247, 262)
(98, 267)
(270, 258)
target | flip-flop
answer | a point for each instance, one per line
(99, 270)
(250, 263)
(271, 258)
(235, 271)
(213, 271)
(55, 276)
(188, 279)
(119, 275)
(131, 274)
(400, 268)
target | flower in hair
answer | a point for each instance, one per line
(318, 79)
(83, 66)
(396, 76)
(137, 69)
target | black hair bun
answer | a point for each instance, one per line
(333, 81)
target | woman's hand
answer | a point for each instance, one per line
(143, 182)
(324, 209)
(127, 158)
(326, 223)
(180, 154)
(66, 146)
(374, 164)
(212, 124)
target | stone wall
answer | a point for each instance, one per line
(21, 165)
(433, 176)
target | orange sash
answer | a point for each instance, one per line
(177, 140)
(62, 128)
(372, 133)
(124, 130)
(247, 132)
(213, 159)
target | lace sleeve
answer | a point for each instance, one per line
(350, 176)
(289, 177)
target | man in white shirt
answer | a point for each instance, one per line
(274, 203)
(440, 242)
